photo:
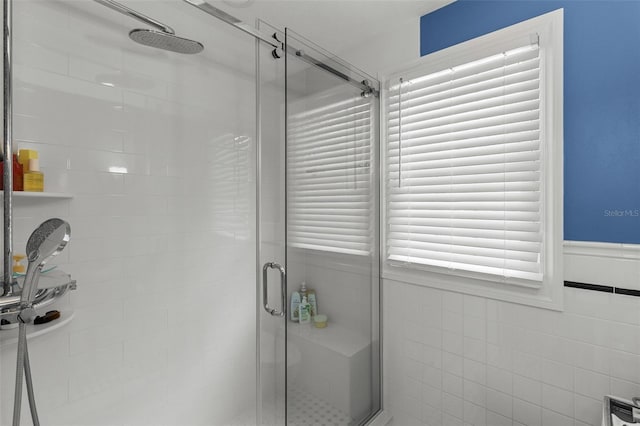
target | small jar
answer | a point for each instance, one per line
(320, 321)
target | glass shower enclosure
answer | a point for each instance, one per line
(202, 190)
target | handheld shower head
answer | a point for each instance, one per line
(49, 239)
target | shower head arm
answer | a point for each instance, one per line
(118, 7)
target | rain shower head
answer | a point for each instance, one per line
(166, 41)
(162, 38)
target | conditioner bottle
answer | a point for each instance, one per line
(34, 179)
(313, 301)
(295, 306)
(305, 311)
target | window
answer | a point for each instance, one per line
(473, 150)
(329, 175)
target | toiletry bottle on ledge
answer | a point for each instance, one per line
(34, 179)
(18, 267)
(24, 155)
(295, 306)
(305, 311)
(313, 302)
(303, 289)
(18, 183)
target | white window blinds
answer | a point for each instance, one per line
(464, 168)
(328, 175)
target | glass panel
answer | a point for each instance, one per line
(271, 226)
(333, 371)
(158, 150)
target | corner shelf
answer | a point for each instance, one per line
(52, 279)
(41, 195)
(10, 336)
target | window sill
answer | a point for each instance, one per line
(549, 296)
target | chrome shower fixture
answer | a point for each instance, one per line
(49, 239)
(163, 38)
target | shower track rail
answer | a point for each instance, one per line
(364, 85)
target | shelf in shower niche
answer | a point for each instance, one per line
(40, 195)
(53, 278)
(10, 336)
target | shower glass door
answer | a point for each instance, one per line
(317, 219)
(332, 352)
(271, 333)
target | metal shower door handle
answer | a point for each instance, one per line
(283, 289)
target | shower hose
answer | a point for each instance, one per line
(23, 367)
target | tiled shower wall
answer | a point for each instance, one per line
(453, 359)
(157, 150)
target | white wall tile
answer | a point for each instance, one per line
(475, 349)
(557, 374)
(432, 376)
(527, 389)
(431, 395)
(624, 388)
(431, 415)
(475, 371)
(475, 393)
(500, 379)
(588, 410)
(527, 365)
(500, 357)
(624, 337)
(589, 383)
(452, 322)
(433, 337)
(555, 419)
(432, 357)
(591, 357)
(452, 342)
(537, 367)
(452, 384)
(453, 302)
(500, 403)
(558, 400)
(452, 405)
(475, 307)
(450, 420)
(474, 414)
(475, 327)
(625, 366)
(452, 363)
(495, 419)
(527, 413)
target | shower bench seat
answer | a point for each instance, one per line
(334, 365)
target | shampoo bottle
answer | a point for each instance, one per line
(303, 289)
(295, 306)
(305, 311)
(24, 155)
(34, 179)
(18, 267)
(18, 184)
(311, 297)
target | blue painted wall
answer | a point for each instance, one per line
(601, 102)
